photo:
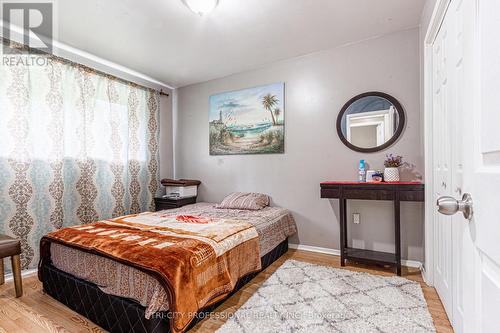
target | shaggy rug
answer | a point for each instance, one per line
(303, 297)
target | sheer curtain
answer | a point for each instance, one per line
(75, 146)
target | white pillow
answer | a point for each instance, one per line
(244, 200)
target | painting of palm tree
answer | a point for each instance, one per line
(277, 113)
(269, 101)
(248, 121)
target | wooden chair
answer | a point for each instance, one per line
(11, 247)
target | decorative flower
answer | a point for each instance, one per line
(392, 161)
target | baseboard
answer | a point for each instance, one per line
(28, 272)
(314, 249)
(334, 252)
(412, 263)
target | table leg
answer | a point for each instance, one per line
(397, 229)
(16, 270)
(345, 223)
(343, 230)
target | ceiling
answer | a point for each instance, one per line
(166, 41)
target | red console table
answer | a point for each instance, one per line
(396, 192)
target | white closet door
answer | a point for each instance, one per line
(442, 97)
(466, 129)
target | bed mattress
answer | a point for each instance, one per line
(273, 225)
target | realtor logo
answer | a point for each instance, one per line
(35, 19)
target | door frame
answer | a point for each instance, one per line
(437, 18)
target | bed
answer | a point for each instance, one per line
(122, 298)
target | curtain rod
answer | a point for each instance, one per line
(22, 47)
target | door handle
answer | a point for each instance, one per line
(449, 205)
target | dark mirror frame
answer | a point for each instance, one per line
(397, 133)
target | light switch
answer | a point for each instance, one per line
(356, 218)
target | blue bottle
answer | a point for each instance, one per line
(362, 171)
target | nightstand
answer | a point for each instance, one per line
(171, 203)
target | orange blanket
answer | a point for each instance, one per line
(198, 260)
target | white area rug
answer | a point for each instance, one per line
(303, 297)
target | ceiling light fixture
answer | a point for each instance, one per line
(201, 7)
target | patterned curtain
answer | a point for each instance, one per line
(75, 146)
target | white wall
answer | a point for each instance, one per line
(317, 86)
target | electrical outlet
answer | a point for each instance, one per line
(356, 218)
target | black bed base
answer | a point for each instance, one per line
(118, 314)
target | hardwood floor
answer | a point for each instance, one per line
(36, 312)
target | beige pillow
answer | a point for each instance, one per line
(244, 200)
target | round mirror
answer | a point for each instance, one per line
(370, 122)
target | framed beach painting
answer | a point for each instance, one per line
(248, 121)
